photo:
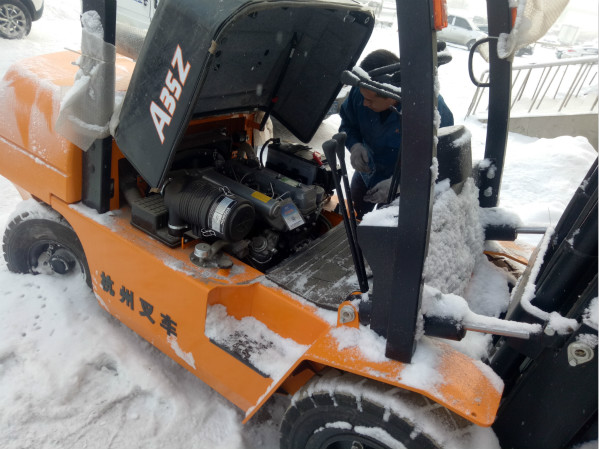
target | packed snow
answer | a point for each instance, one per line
(266, 350)
(72, 376)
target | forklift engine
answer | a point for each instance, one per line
(222, 193)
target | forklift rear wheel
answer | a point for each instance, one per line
(15, 19)
(354, 413)
(43, 245)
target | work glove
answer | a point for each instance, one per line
(380, 192)
(359, 158)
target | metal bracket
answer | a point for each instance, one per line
(579, 353)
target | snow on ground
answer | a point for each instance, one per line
(71, 376)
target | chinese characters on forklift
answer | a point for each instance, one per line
(127, 297)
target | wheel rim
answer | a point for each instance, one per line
(44, 257)
(12, 20)
(351, 441)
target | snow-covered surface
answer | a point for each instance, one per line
(251, 339)
(72, 376)
(557, 323)
(415, 411)
(437, 304)
(498, 216)
(590, 315)
(456, 238)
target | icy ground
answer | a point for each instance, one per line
(71, 376)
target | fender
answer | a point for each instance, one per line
(465, 386)
(462, 385)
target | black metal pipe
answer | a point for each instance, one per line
(330, 151)
(499, 102)
(97, 186)
(361, 269)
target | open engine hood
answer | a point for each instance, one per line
(207, 57)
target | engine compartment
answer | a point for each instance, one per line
(219, 190)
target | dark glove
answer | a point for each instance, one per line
(443, 55)
(380, 192)
(359, 158)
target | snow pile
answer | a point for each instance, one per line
(455, 308)
(591, 315)
(253, 341)
(589, 340)
(422, 372)
(540, 176)
(371, 345)
(494, 216)
(32, 209)
(488, 291)
(456, 239)
(386, 216)
(187, 357)
(73, 376)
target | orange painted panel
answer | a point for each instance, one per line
(136, 278)
(34, 156)
(464, 388)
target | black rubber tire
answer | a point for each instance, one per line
(305, 422)
(28, 235)
(15, 19)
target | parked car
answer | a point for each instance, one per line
(16, 17)
(462, 30)
(481, 23)
(575, 52)
(527, 50)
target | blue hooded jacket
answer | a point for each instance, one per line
(379, 132)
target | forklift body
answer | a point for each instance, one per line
(238, 269)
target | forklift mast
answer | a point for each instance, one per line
(551, 382)
(398, 282)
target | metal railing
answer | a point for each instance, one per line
(565, 86)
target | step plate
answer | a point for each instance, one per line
(323, 273)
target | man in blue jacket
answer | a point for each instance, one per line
(373, 131)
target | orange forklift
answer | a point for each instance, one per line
(236, 266)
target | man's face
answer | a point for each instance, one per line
(376, 103)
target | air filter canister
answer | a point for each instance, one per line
(209, 208)
(231, 217)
